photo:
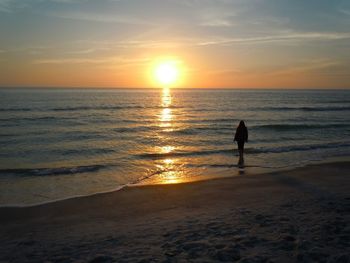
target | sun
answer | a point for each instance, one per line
(166, 73)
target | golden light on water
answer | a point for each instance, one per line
(166, 114)
(168, 161)
(166, 97)
(171, 177)
(167, 149)
(171, 172)
(169, 167)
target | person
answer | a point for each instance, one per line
(241, 137)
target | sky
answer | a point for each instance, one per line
(217, 43)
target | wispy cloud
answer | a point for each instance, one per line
(216, 17)
(71, 61)
(145, 43)
(88, 51)
(10, 6)
(5, 6)
(101, 17)
(307, 66)
(310, 36)
(68, 1)
(225, 72)
(121, 61)
(217, 23)
(181, 42)
(345, 11)
(29, 49)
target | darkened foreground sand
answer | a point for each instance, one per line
(296, 216)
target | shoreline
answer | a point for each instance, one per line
(299, 215)
(248, 171)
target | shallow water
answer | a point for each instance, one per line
(60, 143)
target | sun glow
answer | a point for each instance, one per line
(166, 73)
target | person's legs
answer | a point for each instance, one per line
(240, 150)
(240, 162)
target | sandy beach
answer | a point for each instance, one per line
(300, 215)
(174, 131)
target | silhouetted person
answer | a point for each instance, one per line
(241, 137)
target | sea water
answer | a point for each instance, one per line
(61, 143)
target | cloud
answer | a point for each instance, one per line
(120, 61)
(10, 6)
(139, 43)
(216, 16)
(217, 23)
(345, 11)
(5, 6)
(29, 49)
(181, 42)
(67, 1)
(71, 61)
(99, 17)
(314, 65)
(225, 72)
(309, 36)
(88, 51)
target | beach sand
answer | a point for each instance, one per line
(302, 215)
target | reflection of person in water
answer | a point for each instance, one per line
(241, 137)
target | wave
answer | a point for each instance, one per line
(262, 150)
(76, 108)
(15, 109)
(227, 165)
(229, 129)
(46, 118)
(338, 101)
(288, 127)
(225, 129)
(213, 120)
(134, 129)
(218, 129)
(184, 131)
(52, 171)
(121, 107)
(183, 154)
(85, 108)
(84, 152)
(338, 108)
(81, 108)
(297, 148)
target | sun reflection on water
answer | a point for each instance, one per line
(166, 97)
(170, 169)
(166, 114)
(167, 149)
(170, 177)
(171, 172)
(168, 161)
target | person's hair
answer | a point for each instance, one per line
(241, 124)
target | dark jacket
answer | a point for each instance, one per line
(241, 134)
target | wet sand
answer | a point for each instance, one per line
(301, 215)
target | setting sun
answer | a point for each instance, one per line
(167, 73)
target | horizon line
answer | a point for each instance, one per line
(176, 88)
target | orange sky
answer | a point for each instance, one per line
(221, 44)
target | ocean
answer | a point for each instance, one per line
(62, 143)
